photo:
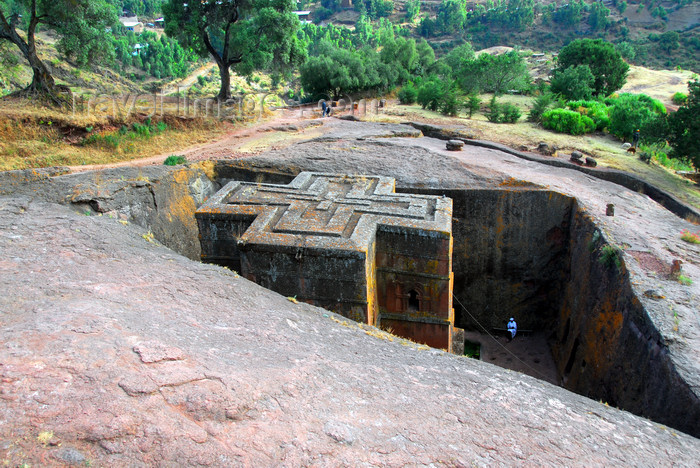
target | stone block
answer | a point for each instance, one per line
(455, 145)
(346, 243)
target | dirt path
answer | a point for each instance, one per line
(274, 132)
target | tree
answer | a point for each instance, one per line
(684, 127)
(606, 64)
(79, 23)
(335, 72)
(412, 10)
(669, 41)
(494, 73)
(247, 35)
(630, 112)
(574, 83)
(598, 16)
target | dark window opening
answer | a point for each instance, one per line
(413, 300)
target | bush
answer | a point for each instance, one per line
(494, 113)
(472, 104)
(679, 98)
(503, 113)
(408, 94)
(630, 112)
(449, 104)
(567, 121)
(541, 104)
(429, 95)
(596, 110)
(174, 160)
(610, 257)
(437, 95)
(510, 113)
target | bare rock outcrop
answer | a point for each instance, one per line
(118, 352)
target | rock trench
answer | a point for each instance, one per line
(519, 248)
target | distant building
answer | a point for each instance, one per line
(132, 23)
(160, 23)
(303, 16)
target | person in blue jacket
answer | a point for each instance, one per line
(512, 329)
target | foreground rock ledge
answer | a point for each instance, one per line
(117, 351)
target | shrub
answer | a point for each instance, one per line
(503, 113)
(174, 160)
(510, 113)
(408, 94)
(567, 121)
(610, 257)
(437, 95)
(690, 237)
(449, 104)
(472, 104)
(684, 280)
(429, 95)
(596, 110)
(679, 98)
(494, 113)
(541, 104)
(630, 112)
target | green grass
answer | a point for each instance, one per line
(610, 257)
(174, 160)
(690, 237)
(684, 280)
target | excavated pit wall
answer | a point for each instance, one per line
(536, 255)
(529, 253)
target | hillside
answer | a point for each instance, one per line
(637, 27)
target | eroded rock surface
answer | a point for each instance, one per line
(118, 352)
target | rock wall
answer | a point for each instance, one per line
(607, 347)
(510, 258)
(537, 256)
(160, 199)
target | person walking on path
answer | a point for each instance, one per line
(635, 138)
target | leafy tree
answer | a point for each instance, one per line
(335, 71)
(630, 112)
(606, 64)
(569, 14)
(494, 73)
(669, 41)
(684, 127)
(247, 35)
(598, 16)
(79, 23)
(458, 57)
(451, 16)
(412, 10)
(576, 82)
(626, 50)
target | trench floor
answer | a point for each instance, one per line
(529, 354)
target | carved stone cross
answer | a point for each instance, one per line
(347, 243)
